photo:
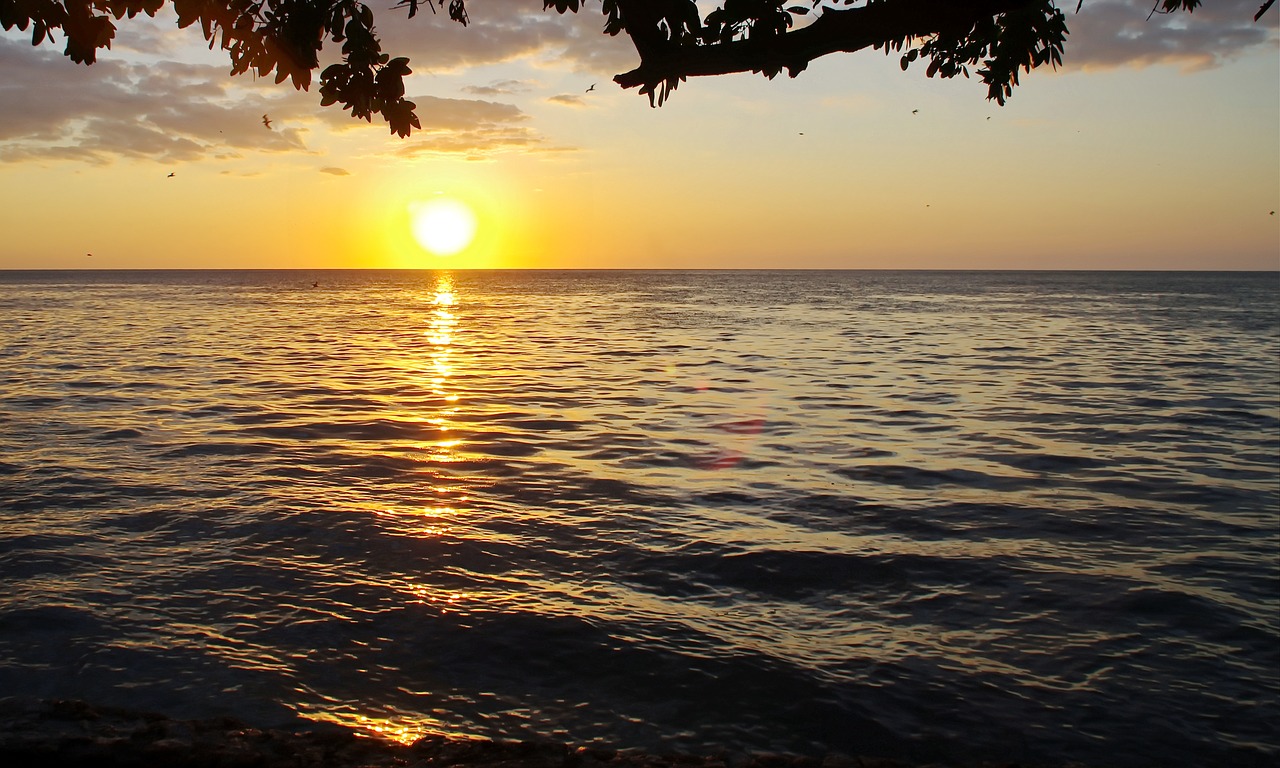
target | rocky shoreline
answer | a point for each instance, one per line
(73, 734)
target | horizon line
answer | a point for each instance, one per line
(625, 269)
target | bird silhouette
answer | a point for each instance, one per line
(915, 111)
(592, 88)
(170, 176)
(266, 122)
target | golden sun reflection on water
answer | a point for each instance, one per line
(401, 730)
(440, 335)
(440, 513)
(434, 376)
(429, 521)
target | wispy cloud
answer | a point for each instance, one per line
(138, 102)
(470, 127)
(507, 32)
(499, 88)
(333, 171)
(178, 112)
(568, 100)
(155, 36)
(1118, 33)
(166, 111)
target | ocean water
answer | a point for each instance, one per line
(1027, 516)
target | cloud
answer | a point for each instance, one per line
(499, 88)
(331, 170)
(1118, 33)
(166, 111)
(138, 102)
(568, 100)
(506, 32)
(155, 36)
(473, 128)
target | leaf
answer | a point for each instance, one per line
(458, 12)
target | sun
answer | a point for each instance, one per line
(443, 226)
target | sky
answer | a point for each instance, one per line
(1155, 146)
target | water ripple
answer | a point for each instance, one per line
(942, 516)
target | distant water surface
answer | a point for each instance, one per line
(1028, 516)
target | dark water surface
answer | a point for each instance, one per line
(1032, 516)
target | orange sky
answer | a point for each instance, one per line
(1154, 148)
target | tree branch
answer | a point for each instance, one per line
(834, 31)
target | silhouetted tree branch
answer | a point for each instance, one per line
(994, 39)
(957, 35)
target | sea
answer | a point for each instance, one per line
(1021, 516)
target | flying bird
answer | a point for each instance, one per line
(170, 176)
(592, 88)
(266, 122)
(915, 111)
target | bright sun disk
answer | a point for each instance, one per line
(443, 226)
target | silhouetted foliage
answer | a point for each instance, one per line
(993, 39)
